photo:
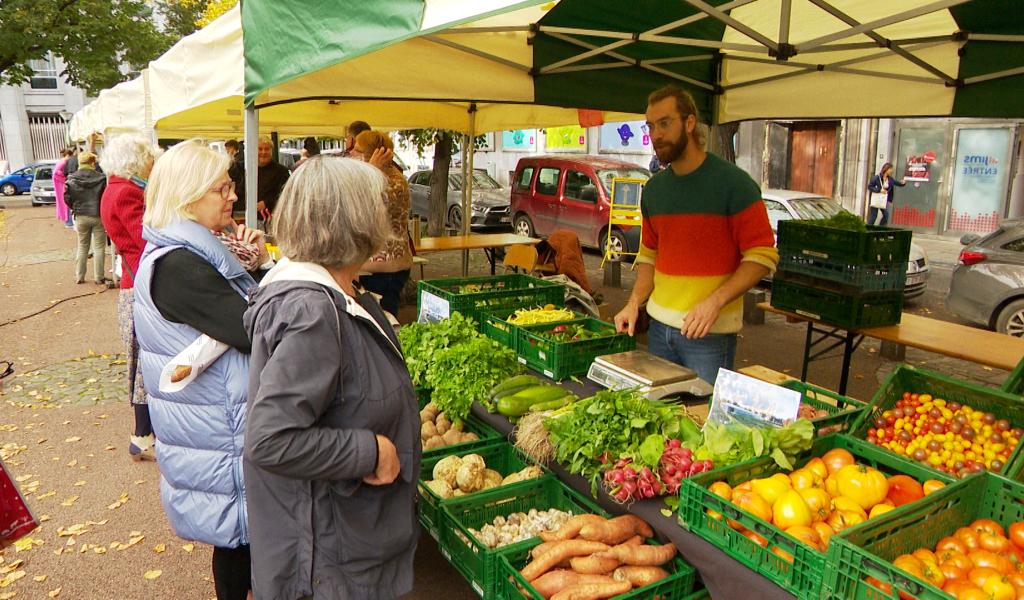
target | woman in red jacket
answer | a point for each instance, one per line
(127, 160)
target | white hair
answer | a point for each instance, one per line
(127, 155)
(332, 212)
(179, 178)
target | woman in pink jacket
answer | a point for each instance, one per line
(59, 178)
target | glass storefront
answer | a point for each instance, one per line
(980, 178)
(920, 161)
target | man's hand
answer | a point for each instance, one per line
(381, 158)
(387, 463)
(698, 322)
(625, 321)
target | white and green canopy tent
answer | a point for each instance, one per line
(466, 65)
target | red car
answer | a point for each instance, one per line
(571, 192)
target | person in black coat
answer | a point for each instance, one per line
(82, 193)
(884, 182)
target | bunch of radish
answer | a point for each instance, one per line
(627, 481)
(677, 463)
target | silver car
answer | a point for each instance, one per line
(490, 203)
(42, 186)
(789, 204)
(988, 281)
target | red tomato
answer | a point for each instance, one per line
(904, 489)
(951, 543)
(1017, 534)
(987, 525)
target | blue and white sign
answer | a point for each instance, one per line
(519, 140)
(630, 137)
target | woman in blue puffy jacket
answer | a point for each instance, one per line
(194, 279)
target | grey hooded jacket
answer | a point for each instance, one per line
(326, 375)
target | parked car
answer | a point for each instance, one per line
(489, 205)
(788, 204)
(42, 186)
(20, 181)
(988, 282)
(572, 192)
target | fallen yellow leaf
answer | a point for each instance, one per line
(159, 548)
(153, 574)
(11, 578)
(69, 501)
(53, 593)
(73, 438)
(39, 578)
(189, 547)
(80, 483)
(22, 478)
(47, 494)
(7, 595)
(73, 463)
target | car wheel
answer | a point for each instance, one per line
(614, 247)
(455, 218)
(8, 189)
(523, 226)
(1011, 319)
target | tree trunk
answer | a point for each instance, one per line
(438, 197)
(721, 141)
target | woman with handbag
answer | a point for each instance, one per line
(880, 198)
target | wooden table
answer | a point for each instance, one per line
(487, 242)
(979, 346)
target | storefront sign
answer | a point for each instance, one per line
(571, 138)
(519, 140)
(980, 178)
(627, 137)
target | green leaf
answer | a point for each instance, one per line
(651, 450)
(666, 512)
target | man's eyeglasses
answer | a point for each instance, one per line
(225, 190)
(660, 123)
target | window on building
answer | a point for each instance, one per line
(44, 73)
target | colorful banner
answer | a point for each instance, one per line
(571, 138)
(628, 137)
(519, 140)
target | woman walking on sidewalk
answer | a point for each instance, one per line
(128, 160)
(883, 183)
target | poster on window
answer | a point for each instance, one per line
(979, 179)
(630, 137)
(519, 140)
(919, 167)
(571, 138)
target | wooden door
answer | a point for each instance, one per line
(812, 158)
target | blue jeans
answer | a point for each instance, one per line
(705, 355)
(878, 216)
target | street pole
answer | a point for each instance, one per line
(469, 149)
(252, 134)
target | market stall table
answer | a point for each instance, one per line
(723, 576)
(986, 348)
(488, 242)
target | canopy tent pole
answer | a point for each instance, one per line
(468, 150)
(252, 142)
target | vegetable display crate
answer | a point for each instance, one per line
(487, 435)
(495, 325)
(842, 411)
(479, 564)
(1014, 384)
(473, 296)
(510, 585)
(500, 456)
(803, 576)
(911, 379)
(868, 550)
(850, 311)
(561, 359)
(876, 245)
(838, 276)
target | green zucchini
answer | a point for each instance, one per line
(519, 382)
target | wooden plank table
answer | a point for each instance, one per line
(487, 242)
(979, 346)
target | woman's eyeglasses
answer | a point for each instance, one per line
(225, 190)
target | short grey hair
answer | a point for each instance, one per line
(127, 155)
(333, 212)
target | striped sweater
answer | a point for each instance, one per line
(697, 229)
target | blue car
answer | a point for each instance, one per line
(20, 181)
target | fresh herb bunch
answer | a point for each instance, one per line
(467, 371)
(843, 220)
(421, 341)
(608, 424)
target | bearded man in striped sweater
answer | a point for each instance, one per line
(706, 240)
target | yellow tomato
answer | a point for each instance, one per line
(803, 479)
(817, 465)
(790, 510)
(831, 486)
(818, 501)
(849, 504)
(771, 489)
(880, 509)
(863, 484)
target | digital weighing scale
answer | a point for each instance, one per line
(654, 377)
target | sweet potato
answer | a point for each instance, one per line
(641, 556)
(553, 582)
(541, 548)
(617, 530)
(571, 528)
(559, 552)
(593, 591)
(639, 576)
(593, 565)
(633, 541)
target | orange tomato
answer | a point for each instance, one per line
(818, 501)
(968, 537)
(933, 574)
(885, 587)
(807, 535)
(746, 486)
(1017, 534)
(714, 514)
(831, 486)
(721, 489)
(824, 532)
(932, 485)
(818, 466)
(952, 572)
(803, 479)
(974, 593)
(865, 485)
(910, 564)
(836, 459)
(956, 558)
(903, 490)
(1016, 578)
(986, 559)
(1015, 555)
(844, 503)
(993, 543)
(979, 575)
(987, 526)
(757, 539)
(951, 543)
(754, 504)
(925, 555)
(999, 588)
(786, 556)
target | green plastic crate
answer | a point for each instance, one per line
(868, 549)
(1014, 384)
(677, 586)
(802, 577)
(495, 325)
(906, 378)
(558, 359)
(477, 563)
(876, 245)
(842, 410)
(849, 311)
(500, 456)
(487, 434)
(840, 276)
(496, 292)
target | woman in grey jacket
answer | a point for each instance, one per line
(332, 447)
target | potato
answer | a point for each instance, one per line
(451, 437)
(434, 442)
(427, 430)
(443, 424)
(470, 437)
(457, 426)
